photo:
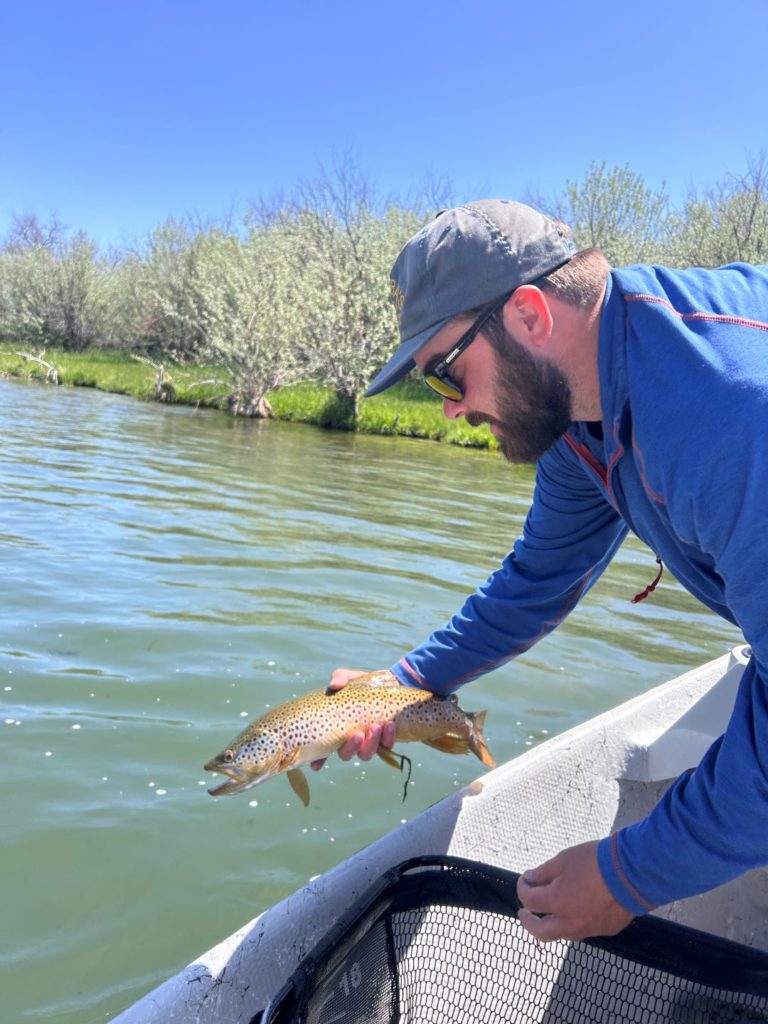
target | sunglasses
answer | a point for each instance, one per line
(439, 379)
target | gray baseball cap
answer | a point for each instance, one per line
(464, 258)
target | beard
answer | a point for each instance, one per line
(534, 403)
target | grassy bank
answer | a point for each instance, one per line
(407, 410)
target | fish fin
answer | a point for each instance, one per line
(477, 740)
(392, 759)
(285, 759)
(299, 784)
(449, 743)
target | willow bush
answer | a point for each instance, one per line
(296, 292)
(60, 295)
(339, 264)
(157, 299)
(615, 210)
(245, 313)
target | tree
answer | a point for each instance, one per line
(727, 223)
(340, 245)
(54, 291)
(29, 232)
(614, 209)
(157, 301)
(246, 316)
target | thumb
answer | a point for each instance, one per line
(534, 893)
(541, 875)
(341, 676)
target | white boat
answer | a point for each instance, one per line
(581, 785)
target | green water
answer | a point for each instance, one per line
(167, 575)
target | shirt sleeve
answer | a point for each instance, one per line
(570, 535)
(710, 826)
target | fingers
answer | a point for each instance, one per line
(537, 891)
(545, 929)
(341, 676)
(351, 748)
(366, 744)
(548, 927)
(535, 878)
(566, 898)
(388, 735)
(379, 735)
(536, 898)
(363, 744)
(370, 743)
(535, 887)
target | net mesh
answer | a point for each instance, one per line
(439, 943)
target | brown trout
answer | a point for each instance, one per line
(317, 724)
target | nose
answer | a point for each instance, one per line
(452, 410)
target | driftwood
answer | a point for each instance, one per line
(245, 403)
(165, 389)
(52, 373)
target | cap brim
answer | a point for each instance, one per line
(402, 361)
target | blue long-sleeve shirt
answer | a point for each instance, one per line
(683, 463)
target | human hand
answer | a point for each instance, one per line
(365, 743)
(341, 676)
(571, 894)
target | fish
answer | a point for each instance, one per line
(318, 723)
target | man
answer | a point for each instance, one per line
(643, 396)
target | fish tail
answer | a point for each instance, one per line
(476, 739)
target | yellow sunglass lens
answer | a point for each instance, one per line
(443, 388)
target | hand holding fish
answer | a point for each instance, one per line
(362, 744)
(341, 676)
(311, 727)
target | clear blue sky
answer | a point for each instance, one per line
(115, 114)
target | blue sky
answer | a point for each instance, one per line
(118, 113)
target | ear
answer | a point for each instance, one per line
(528, 318)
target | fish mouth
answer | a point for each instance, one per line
(237, 779)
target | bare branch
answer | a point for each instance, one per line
(52, 375)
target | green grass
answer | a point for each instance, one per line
(407, 409)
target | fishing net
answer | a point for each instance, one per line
(437, 941)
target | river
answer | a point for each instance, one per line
(167, 574)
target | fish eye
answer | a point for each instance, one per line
(228, 757)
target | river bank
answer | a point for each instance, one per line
(406, 410)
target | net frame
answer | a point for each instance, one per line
(436, 939)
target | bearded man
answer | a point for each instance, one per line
(642, 395)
